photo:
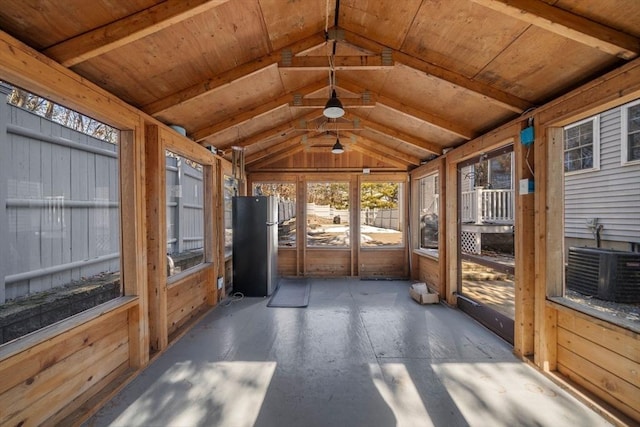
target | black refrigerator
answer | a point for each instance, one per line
(255, 245)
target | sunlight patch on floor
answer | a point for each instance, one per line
(399, 392)
(220, 393)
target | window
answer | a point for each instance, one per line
(631, 132)
(429, 203)
(328, 214)
(285, 194)
(381, 214)
(230, 190)
(582, 146)
(185, 213)
(601, 237)
(59, 213)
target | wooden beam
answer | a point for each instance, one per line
(347, 63)
(568, 25)
(283, 129)
(245, 114)
(274, 150)
(346, 102)
(329, 126)
(289, 151)
(416, 113)
(399, 135)
(127, 30)
(30, 70)
(228, 77)
(488, 93)
(389, 155)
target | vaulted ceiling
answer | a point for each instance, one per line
(415, 76)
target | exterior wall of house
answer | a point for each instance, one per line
(610, 194)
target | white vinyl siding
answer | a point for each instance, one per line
(611, 194)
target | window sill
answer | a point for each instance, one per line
(186, 273)
(49, 333)
(565, 304)
(427, 253)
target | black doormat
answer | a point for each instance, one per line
(291, 293)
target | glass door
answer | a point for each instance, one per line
(486, 201)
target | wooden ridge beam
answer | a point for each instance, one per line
(249, 113)
(127, 30)
(229, 77)
(487, 92)
(568, 25)
(347, 63)
(407, 110)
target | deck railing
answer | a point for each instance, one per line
(484, 206)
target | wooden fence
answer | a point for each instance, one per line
(59, 216)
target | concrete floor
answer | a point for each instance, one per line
(362, 354)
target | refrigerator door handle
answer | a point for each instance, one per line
(272, 223)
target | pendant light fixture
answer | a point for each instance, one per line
(333, 109)
(337, 147)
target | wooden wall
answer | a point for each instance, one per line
(62, 373)
(339, 261)
(601, 357)
(51, 377)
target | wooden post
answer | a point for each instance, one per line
(523, 341)
(211, 232)
(478, 206)
(156, 207)
(443, 226)
(452, 235)
(548, 187)
(133, 243)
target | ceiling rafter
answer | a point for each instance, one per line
(279, 155)
(407, 110)
(229, 77)
(388, 154)
(249, 113)
(273, 150)
(390, 132)
(127, 30)
(566, 24)
(488, 93)
(278, 130)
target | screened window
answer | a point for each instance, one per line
(59, 213)
(381, 214)
(429, 203)
(230, 190)
(601, 230)
(328, 214)
(631, 132)
(185, 213)
(581, 146)
(285, 195)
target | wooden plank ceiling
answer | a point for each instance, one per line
(416, 76)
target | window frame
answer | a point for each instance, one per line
(402, 195)
(595, 144)
(434, 252)
(624, 134)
